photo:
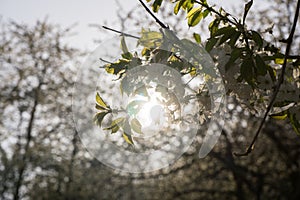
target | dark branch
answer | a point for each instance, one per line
(280, 81)
(152, 15)
(120, 32)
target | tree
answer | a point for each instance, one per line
(246, 61)
(57, 166)
(37, 73)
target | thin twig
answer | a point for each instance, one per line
(154, 17)
(216, 12)
(105, 61)
(280, 81)
(120, 32)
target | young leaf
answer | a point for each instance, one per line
(128, 138)
(178, 6)
(247, 8)
(115, 125)
(136, 126)
(214, 26)
(98, 118)
(150, 39)
(100, 102)
(279, 116)
(197, 37)
(156, 5)
(205, 13)
(194, 16)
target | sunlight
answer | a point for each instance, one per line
(152, 114)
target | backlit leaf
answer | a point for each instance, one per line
(128, 138)
(194, 16)
(156, 5)
(197, 37)
(100, 102)
(136, 126)
(98, 118)
(115, 125)
(280, 116)
(150, 39)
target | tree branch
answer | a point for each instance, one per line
(280, 81)
(120, 32)
(152, 15)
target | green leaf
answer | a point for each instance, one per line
(194, 16)
(247, 8)
(279, 61)
(156, 5)
(128, 138)
(178, 6)
(188, 5)
(98, 118)
(235, 54)
(234, 38)
(210, 44)
(115, 125)
(101, 104)
(136, 126)
(257, 38)
(123, 45)
(247, 71)
(117, 67)
(127, 56)
(280, 116)
(213, 27)
(260, 66)
(150, 39)
(146, 52)
(197, 37)
(223, 30)
(205, 13)
(228, 34)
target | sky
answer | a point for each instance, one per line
(82, 12)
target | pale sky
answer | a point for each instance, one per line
(68, 12)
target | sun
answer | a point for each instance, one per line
(153, 113)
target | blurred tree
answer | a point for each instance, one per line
(37, 73)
